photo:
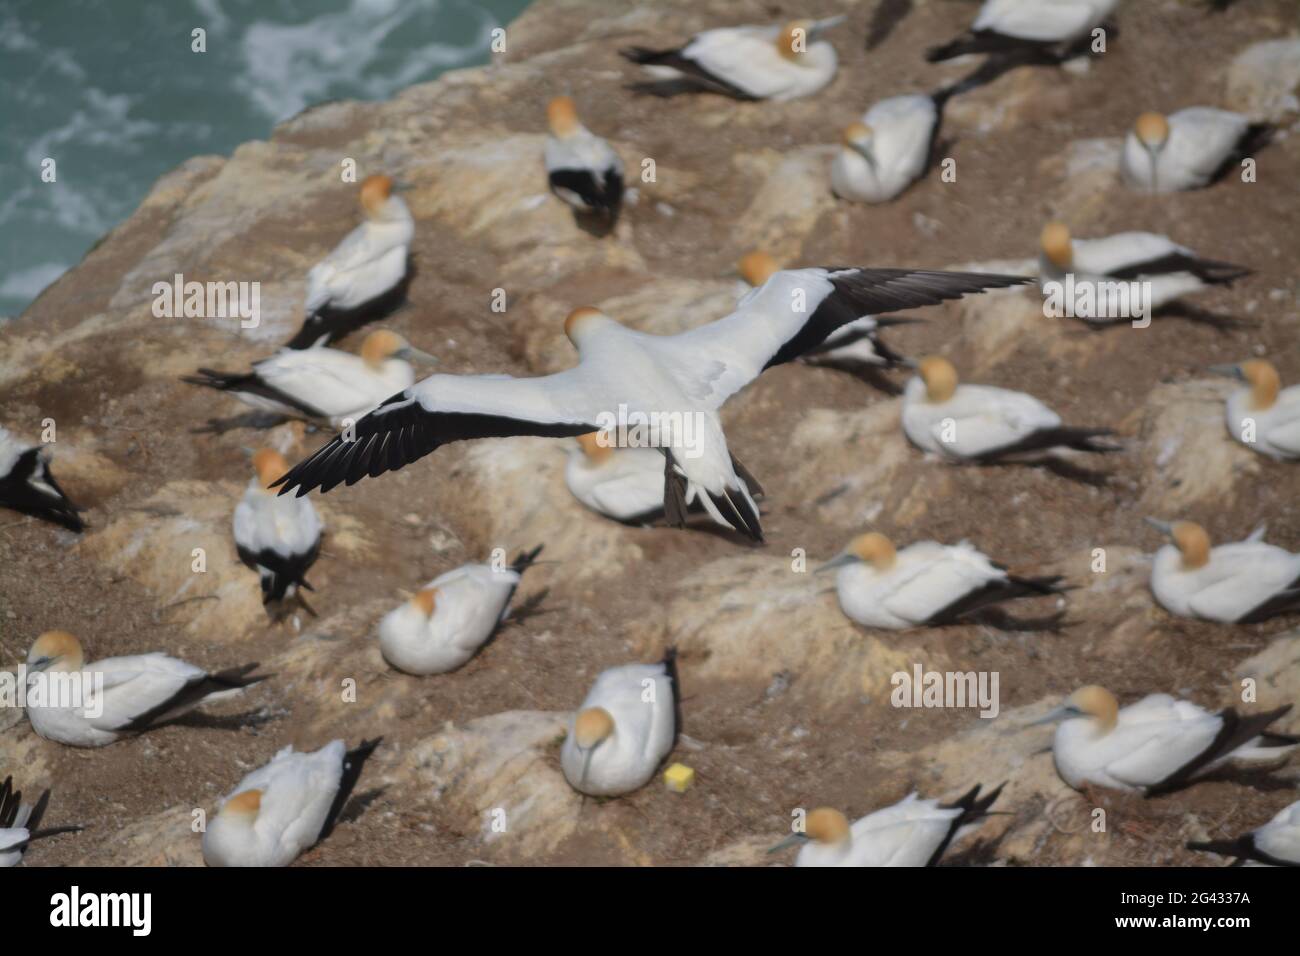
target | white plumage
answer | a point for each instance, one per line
(20, 823)
(625, 728)
(583, 169)
(279, 537)
(626, 484)
(1185, 150)
(1263, 416)
(1276, 843)
(888, 150)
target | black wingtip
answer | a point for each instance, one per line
(526, 559)
(354, 762)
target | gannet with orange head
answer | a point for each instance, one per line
(1240, 583)
(1156, 745)
(320, 383)
(1263, 415)
(1030, 31)
(780, 62)
(28, 487)
(583, 170)
(1276, 843)
(624, 729)
(626, 484)
(1153, 267)
(445, 622)
(983, 423)
(286, 807)
(365, 277)
(279, 538)
(1189, 149)
(119, 696)
(912, 832)
(890, 148)
(928, 584)
(661, 391)
(20, 823)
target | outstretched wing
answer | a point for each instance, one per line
(443, 409)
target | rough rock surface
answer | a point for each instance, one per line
(786, 703)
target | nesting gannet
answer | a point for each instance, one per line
(1036, 31)
(1240, 583)
(626, 726)
(320, 383)
(658, 390)
(928, 584)
(286, 807)
(1164, 269)
(279, 538)
(890, 148)
(117, 696)
(582, 168)
(365, 277)
(1157, 744)
(747, 63)
(1276, 843)
(982, 423)
(626, 484)
(1188, 149)
(912, 832)
(1263, 415)
(28, 487)
(20, 823)
(445, 623)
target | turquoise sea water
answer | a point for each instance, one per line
(112, 91)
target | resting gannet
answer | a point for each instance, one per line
(663, 391)
(1188, 149)
(1276, 843)
(28, 487)
(1263, 415)
(890, 148)
(366, 275)
(279, 538)
(20, 823)
(1037, 31)
(582, 168)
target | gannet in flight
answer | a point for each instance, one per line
(890, 148)
(626, 726)
(1169, 271)
(1241, 583)
(277, 537)
(912, 832)
(1263, 415)
(582, 168)
(1188, 149)
(20, 823)
(286, 807)
(982, 423)
(119, 696)
(366, 275)
(28, 487)
(1157, 744)
(1031, 31)
(450, 618)
(1276, 843)
(666, 389)
(747, 63)
(320, 383)
(928, 584)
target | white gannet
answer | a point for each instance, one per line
(20, 823)
(626, 726)
(28, 487)
(1188, 149)
(1263, 415)
(928, 584)
(1167, 270)
(581, 167)
(1031, 31)
(117, 696)
(912, 832)
(890, 148)
(366, 275)
(285, 807)
(1157, 744)
(1276, 843)
(983, 423)
(1240, 583)
(445, 623)
(279, 538)
(320, 383)
(626, 484)
(659, 390)
(747, 63)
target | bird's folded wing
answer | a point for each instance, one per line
(325, 379)
(1156, 751)
(1123, 251)
(447, 408)
(1036, 21)
(133, 686)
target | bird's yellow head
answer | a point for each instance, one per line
(56, 651)
(856, 135)
(381, 345)
(1193, 542)
(591, 726)
(244, 806)
(1152, 130)
(875, 549)
(562, 116)
(757, 267)
(1057, 245)
(827, 826)
(375, 191)
(795, 38)
(580, 319)
(1096, 702)
(594, 447)
(426, 600)
(1264, 382)
(939, 376)
(270, 466)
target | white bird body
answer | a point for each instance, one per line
(583, 169)
(13, 841)
(1042, 20)
(1200, 139)
(280, 537)
(294, 796)
(976, 421)
(369, 261)
(855, 342)
(1236, 580)
(1276, 843)
(626, 484)
(905, 834)
(901, 133)
(641, 700)
(1273, 431)
(470, 602)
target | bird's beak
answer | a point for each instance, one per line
(839, 561)
(1228, 371)
(864, 150)
(821, 26)
(794, 839)
(41, 664)
(909, 363)
(586, 765)
(1164, 527)
(411, 353)
(1051, 717)
(401, 185)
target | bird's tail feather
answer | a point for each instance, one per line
(353, 763)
